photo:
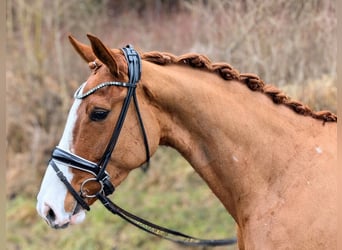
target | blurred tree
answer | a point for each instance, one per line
(144, 7)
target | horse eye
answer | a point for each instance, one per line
(98, 114)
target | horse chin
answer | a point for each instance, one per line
(78, 215)
(77, 218)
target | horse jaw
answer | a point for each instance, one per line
(52, 194)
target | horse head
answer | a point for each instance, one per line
(85, 159)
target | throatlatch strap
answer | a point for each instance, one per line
(162, 232)
(143, 131)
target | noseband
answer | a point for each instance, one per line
(98, 170)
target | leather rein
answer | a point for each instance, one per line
(98, 170)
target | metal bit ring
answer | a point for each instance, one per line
(84, 194)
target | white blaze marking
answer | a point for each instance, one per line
(52, 191)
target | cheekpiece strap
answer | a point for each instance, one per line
(134, 63)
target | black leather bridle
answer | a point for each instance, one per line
(98, 170)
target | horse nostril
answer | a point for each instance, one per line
(50, 216)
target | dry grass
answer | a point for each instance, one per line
(289, 43)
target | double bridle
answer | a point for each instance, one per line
(98, 170)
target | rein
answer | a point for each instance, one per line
(98, 170)
(163, 232)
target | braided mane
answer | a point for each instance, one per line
(227, 72)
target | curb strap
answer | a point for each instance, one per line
(162, 232)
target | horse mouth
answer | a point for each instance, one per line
(56, 226)
(76, 217)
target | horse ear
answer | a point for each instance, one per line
(83, 50)
(103, 54)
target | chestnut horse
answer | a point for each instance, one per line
(270, 160)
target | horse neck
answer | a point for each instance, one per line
(224, 130)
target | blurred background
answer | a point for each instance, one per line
(288, 43)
